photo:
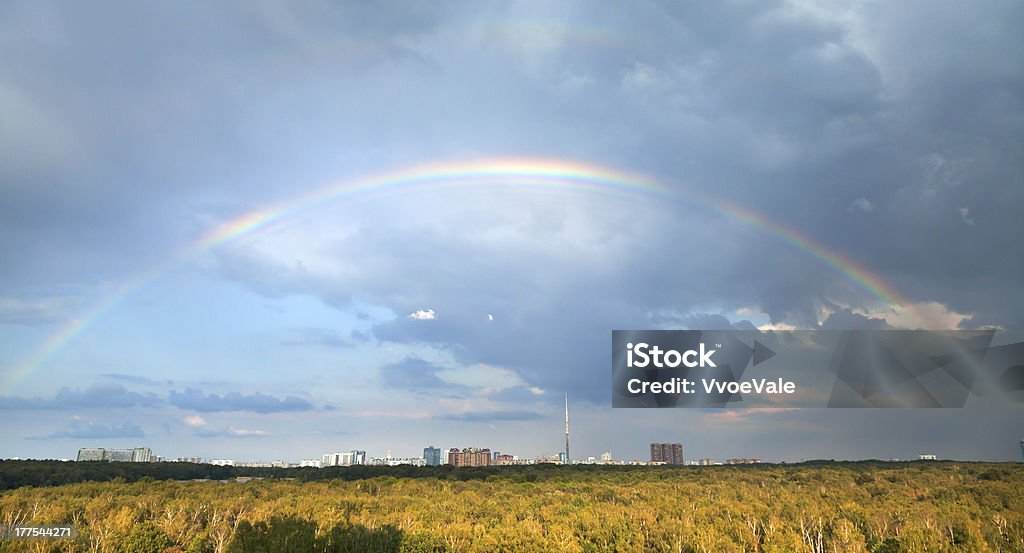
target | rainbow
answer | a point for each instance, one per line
(517, 173)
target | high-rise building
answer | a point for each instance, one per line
(141, 455)
(431, 456)
(136, 455)
(670, 454)
(90, 454)
(343, 459)
(469, 457)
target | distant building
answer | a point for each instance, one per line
(927, 457)
(309, 463)
(431, 456)
(707, 461)
(91, 454)
(136, 455)
(670, 454)
(606, 458)
(505, 459)
(343, 458)
(395, 461)
(469, 457)
(742, 461)
(223, 462)
(1022, 451)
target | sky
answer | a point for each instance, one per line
(260, 231)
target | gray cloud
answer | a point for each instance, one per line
(700, 321)
(492, 416)
(97, 396)
(320, 337)
(413, 373)
(230, 432)
(35, 311)
(136, 379)
(196, 400)
(844, 319)
(92, 430)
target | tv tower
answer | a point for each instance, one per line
(567, 429)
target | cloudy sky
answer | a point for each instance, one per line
(458, 312)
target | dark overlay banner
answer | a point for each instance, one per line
(816, 368)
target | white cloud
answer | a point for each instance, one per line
(965, 216)
(863, 205)
(423, 315)
(772, 327)
(195, 420)
(925, 315)
(482, 375)
(35, 311)
(642, 77)
(242, 433)
(734, 415)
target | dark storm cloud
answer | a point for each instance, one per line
(97, 396)
(792, 113)
(163, 134)
(92, 430)
(196, 400)
(780, 111)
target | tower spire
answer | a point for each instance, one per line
(567, 429)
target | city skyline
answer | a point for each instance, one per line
(659, 452)
(255, 228)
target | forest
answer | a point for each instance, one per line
(812, 507)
